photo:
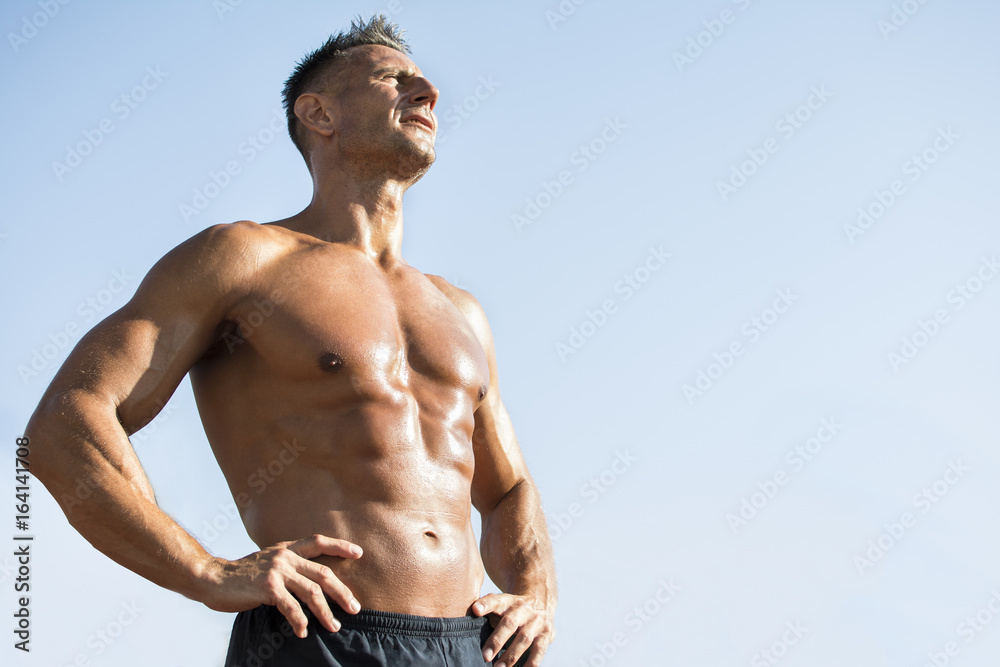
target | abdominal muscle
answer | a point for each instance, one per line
(420, 554)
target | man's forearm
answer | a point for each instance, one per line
(516, 548)
(82, 455)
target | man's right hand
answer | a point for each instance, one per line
(272, 575)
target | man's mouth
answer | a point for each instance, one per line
(419, 120)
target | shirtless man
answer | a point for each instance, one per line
(310, 341)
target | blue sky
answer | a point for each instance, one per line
(712, 238)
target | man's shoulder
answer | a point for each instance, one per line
(226, 259)
(234, 246)
(460, 297)
(235, 236)
(467, 303)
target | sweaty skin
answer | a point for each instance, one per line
(374, 375)
(352, 402)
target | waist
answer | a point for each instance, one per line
(438, 581)
(394, 623)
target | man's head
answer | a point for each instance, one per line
(360, 96)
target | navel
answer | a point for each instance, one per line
(331, 362)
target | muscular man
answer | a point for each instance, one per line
(312, 343)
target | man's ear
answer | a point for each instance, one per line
(316, 113)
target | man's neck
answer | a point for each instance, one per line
(365, 213)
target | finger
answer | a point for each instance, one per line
(504, 630)
(311, 593)
(292, 610)
(521, 642)
(492, 603)
(537, 651)
(323, 545)
(333, 586)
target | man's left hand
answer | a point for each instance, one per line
(519, 619)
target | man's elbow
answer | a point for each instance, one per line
(55, 422)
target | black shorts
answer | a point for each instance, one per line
(263, 637)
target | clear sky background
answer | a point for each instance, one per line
(837, 364)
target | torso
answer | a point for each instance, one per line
(339, 400)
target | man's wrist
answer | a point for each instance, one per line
(206, 578)
(540, 599)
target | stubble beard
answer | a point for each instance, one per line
(378, 156)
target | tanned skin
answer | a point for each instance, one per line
(311, 342)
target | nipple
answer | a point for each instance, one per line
(331, 361)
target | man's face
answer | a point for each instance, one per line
(386, 118)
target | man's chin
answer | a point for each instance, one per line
(405, 160)
(415, 163)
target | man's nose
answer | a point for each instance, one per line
(424, 93)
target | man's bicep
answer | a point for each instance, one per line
(500, 465)
(132, 360)
(135, 358)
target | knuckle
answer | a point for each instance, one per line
(508, 624)
(273, 581)
(341, 589)
(520, 645)
(289, 607)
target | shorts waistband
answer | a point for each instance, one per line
(388, 622)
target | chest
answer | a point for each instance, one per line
(325, 320)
